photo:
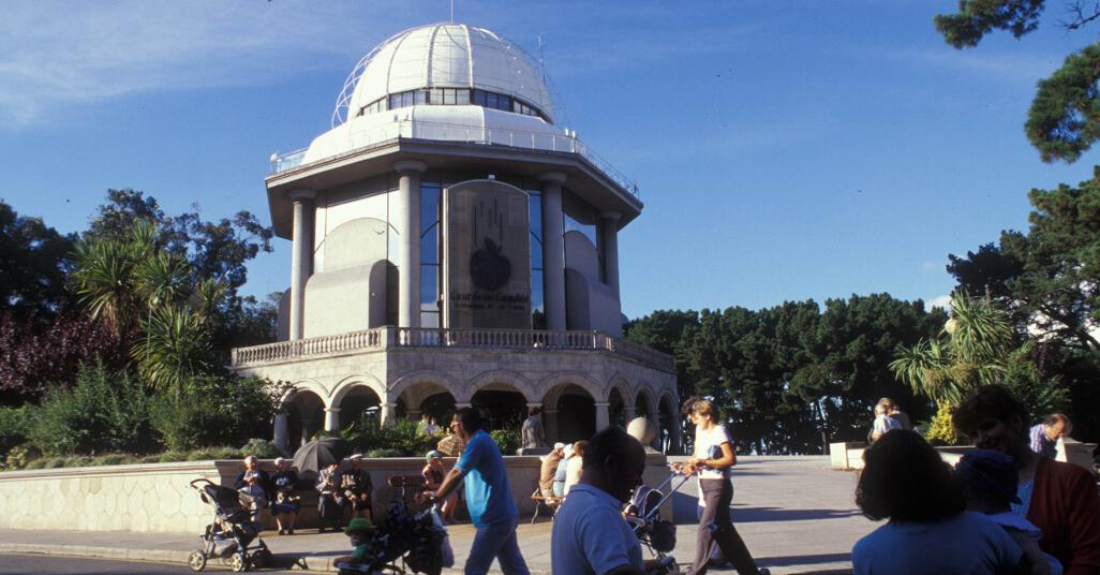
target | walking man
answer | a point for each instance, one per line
(590, 535)
(488, 498)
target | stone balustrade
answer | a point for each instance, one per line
(403, 337)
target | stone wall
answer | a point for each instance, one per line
(157, 497)
(849, 456)
(152, 498)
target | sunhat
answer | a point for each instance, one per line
(359, 525)
(559, 445)
(991, 472)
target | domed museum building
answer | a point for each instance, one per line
(454, 246)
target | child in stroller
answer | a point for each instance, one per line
(405, 543)
(655, 533)
(233, 536)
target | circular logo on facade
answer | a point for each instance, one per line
(489, 269)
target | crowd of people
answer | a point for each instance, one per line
(1006, 507)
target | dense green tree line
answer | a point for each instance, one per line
(792, 377)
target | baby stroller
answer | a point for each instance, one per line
(655, 533)
(406, 543)
(234, 535)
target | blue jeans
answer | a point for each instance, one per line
(497, 541)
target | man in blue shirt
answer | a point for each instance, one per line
(1045, 436)
(488, 498)
(590, 535)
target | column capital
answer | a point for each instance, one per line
(603, 404)
(302, 195)
(410, 166)
(332, 409)
(611, 216)
(390, 405)
(554, 177)
(537, 404)
(462, 405)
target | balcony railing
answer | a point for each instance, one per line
(386, 134)
(485, 339)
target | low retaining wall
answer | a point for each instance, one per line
(849, 456)
(157, 498)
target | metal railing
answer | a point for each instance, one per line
(379, 136)
(408, 337)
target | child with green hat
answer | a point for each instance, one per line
(359, 532)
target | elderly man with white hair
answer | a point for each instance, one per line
(255, 483)
(550, 469)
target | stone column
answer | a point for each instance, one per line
(301, 265)
(408, 208)
(281, 429)
(628, 413)
(610, 237)
(332, 419)
(603, 417)
(389, 413)
(553, 250)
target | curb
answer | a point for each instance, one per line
(312, 563)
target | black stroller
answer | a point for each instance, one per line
(234, 535)
(655, 532)
(406, 543)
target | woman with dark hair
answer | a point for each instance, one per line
(1061, 499)
(929, 530)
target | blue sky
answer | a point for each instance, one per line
(785, 150)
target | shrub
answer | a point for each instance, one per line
(401, 438)
(15, 424)
(384, 452)
(214, 411)
(20, 456)
(941, 431)
(104, 411)
(507, 440)
(261, 448)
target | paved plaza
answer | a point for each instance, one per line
(795, 514)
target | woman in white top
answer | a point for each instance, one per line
(712, 461)
(575, 465)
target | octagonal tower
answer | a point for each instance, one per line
(453, 246)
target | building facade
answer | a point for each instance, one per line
(453, 246)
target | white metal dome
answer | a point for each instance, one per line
(443, 55)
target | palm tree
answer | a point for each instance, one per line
(133, 285)
(175, 349)
(969, 352)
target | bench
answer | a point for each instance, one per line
(550, 503)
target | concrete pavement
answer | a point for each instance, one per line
(795, 514)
